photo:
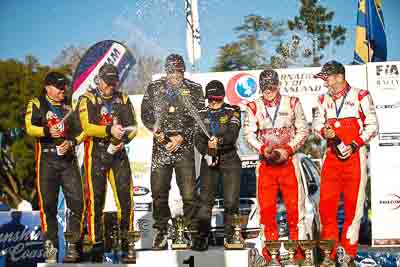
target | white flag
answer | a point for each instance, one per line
(192, 31)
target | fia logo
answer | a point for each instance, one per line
(386, 70)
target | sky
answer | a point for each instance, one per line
(157, 27)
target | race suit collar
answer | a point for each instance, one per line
(341, 93)
(53, 102)
(273, 102)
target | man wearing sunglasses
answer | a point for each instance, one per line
(219, 159)
(276, 127)
(166, 111)
(106, 115)
(348, 114)
(48, 119)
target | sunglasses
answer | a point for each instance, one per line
(60, 87)
(215, 99)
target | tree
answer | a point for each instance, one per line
(314, 20)
(143, 72)
(19, 81)
(249, 52)
(69, 57)
(263, 42)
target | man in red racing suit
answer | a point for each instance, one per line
(348, 114)
(276, 127)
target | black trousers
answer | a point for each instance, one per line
(230, 173)
(100, 166)
(160, 186)
(54, 172)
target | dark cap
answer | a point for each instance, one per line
(215, 89)
(56, 79)
(330, 68)
(109, 73)
(174, 63)
(268, 78)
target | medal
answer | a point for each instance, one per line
(171, 109)
(336, 124)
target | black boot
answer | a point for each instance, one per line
(160, 241)
(200, 242)
(97, 252)
(71, 254)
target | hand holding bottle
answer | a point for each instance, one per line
(329, 132)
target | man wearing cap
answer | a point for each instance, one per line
(48, 119)
(108, 119)
(275, 126)
(219, 158)
(346, 114)
(166, 108)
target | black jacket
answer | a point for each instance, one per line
(166, 109)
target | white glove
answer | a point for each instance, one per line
(24, 206)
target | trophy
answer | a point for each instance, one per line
(308, 246)
(291, 246)
(115, 242)
(180, 242)
(72, 250)
(132, 237)
(327, 246)
(236, 242)
(50, 252)
(273, 247)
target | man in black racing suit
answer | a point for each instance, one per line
(108, 119)
(219, 159)
(52, 122)
(165, 111)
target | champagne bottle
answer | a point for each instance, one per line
(59, 140)
(213, 152)
(339, 146)
(166, 138)
(114, 142)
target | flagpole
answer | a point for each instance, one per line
(194, 60)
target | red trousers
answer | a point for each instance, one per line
(271, 179)
(338, 177)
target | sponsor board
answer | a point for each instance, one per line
(384, 86)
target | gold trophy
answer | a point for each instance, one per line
(291, 246)
(308, 246)
(273, 247)
(50, 252)
(180, 242)
(132, 237)
(236, 242)
(327, 246)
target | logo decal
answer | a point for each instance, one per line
(241, 88)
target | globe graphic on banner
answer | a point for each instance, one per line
(246, 87)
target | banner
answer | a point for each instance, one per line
(384, 85)
(107, 51)
(192, 31)
(370, 37)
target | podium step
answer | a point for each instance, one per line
(214, 257)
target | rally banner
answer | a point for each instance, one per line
(241, 87)
(107, 51)
(384, 85)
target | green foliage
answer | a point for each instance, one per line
(301, 41)
(315, 20)
(19, 82)
(249, 51)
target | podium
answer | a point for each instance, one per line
(214, 257)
